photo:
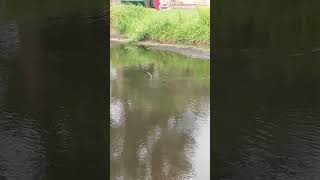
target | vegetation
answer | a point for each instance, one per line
(185, 27)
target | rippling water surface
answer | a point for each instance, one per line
(267, 118)
(52, 94)
(266, 89)
(160, 115)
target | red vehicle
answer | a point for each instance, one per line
(157, 4)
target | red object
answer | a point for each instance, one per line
(157, 4)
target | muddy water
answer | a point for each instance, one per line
(160, 115)
(52, 93)
(266, 91)
(267, 117)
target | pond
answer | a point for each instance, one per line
(160, 115)
(266, 119)
(52, 93)
(267, 116)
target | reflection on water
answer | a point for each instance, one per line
(267, 90)
(159, 115)
(267, 24)
(267, 118)
(52, 98)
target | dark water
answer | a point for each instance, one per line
(266, 89)
(160, 115)
(267, 118)
(52, 93)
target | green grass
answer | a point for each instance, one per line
(185, 27)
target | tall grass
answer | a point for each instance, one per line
(187, 27)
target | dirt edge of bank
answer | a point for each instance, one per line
(192, 52)
(189, 51)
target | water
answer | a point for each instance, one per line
(52, 92)
(266, 119)
(160, 115)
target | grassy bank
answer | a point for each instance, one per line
(183, 27)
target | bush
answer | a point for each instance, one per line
(188, 27)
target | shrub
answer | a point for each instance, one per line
(188, 27)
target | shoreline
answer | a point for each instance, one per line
(189, 51)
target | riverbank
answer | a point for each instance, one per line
(168, 28)
(193, 52)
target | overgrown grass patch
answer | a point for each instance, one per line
(187, 27)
